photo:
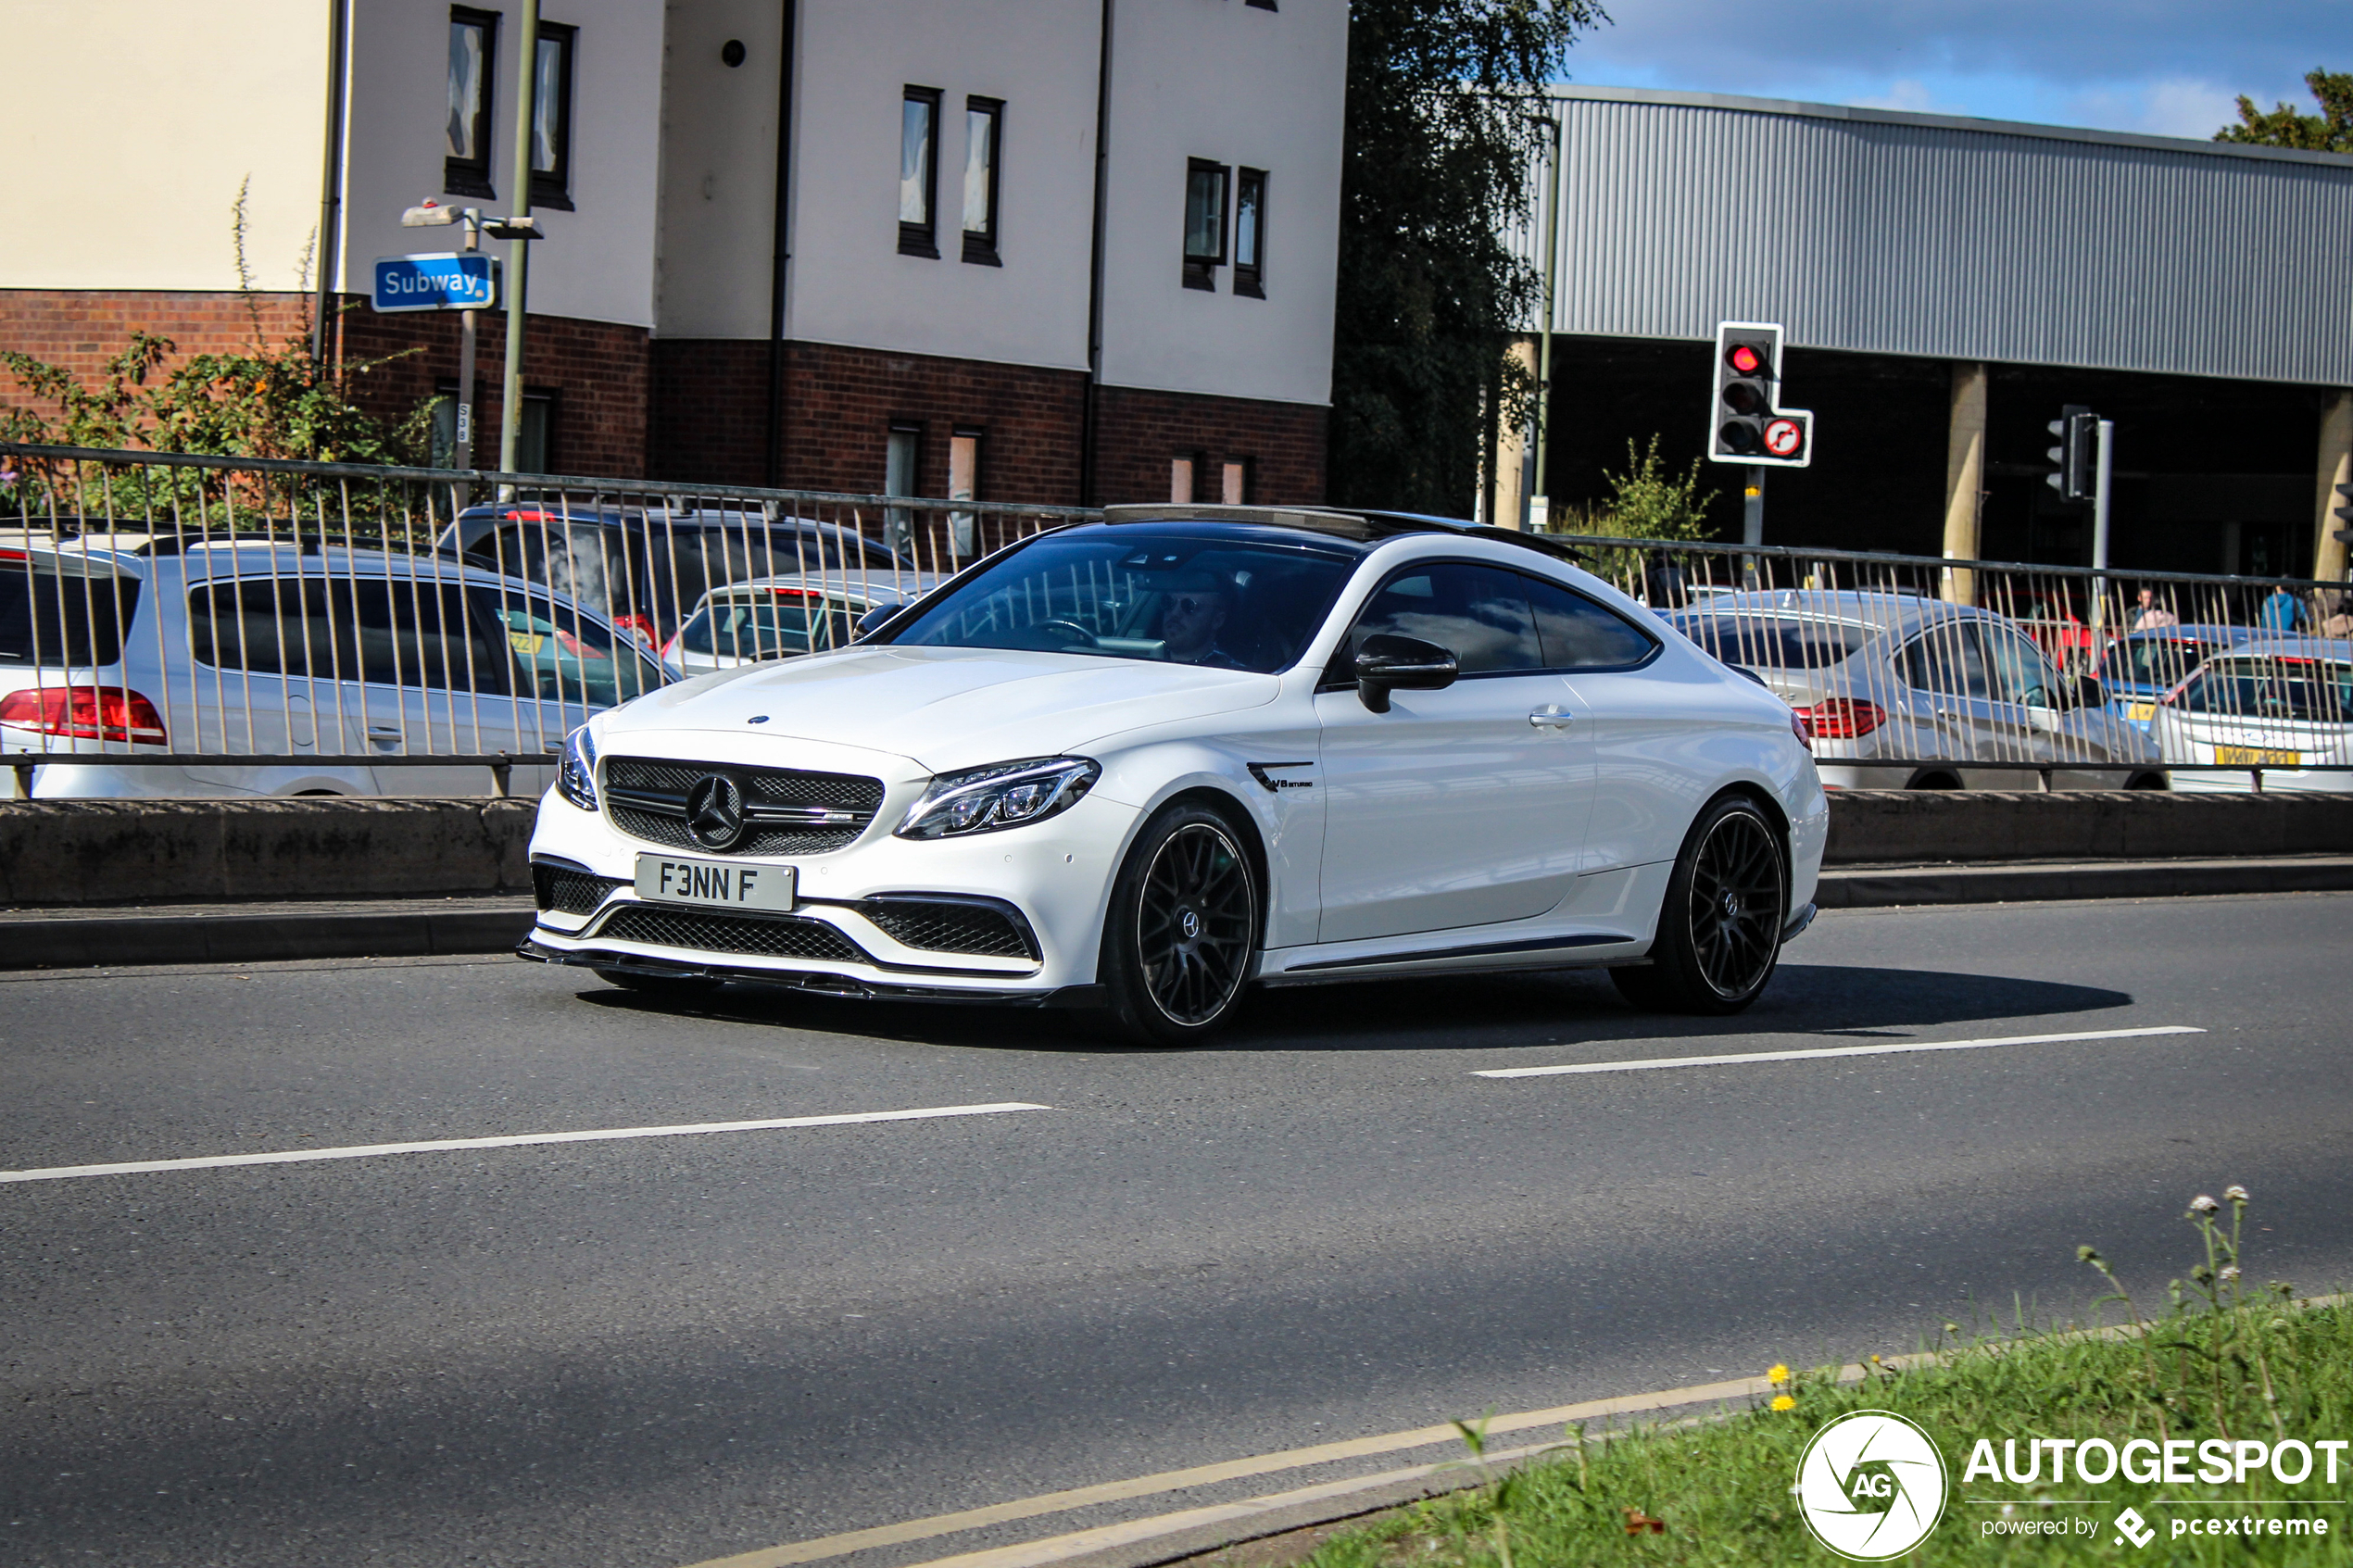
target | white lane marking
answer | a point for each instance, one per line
(1823, 1052)
(364, 1151)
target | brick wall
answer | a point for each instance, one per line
(1142, 432)
(631, 405)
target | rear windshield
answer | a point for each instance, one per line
(1773, 642)
(2310, 689)
(769, 627)
(55, 621)
(2154, 661)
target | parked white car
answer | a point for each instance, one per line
(320, 665)
(1904, 692)
(2283, 705)
(782, 617)
(1147, 762)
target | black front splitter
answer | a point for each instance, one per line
(810, 981)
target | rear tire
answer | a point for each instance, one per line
(669, 987)
(1719, 927)
(1182, 928)
(2147, 780)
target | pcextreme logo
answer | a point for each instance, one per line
(1870, 1486)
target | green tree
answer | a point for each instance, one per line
(2331, 130)
(1440, 158)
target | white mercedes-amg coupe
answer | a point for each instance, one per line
(1146, 763)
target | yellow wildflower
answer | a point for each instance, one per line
(1776, 1373)
(1783, 1402)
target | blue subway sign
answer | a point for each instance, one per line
(453, 281)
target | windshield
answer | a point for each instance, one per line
(1773, 642)
(1211, 598)
(780, 622)
(2153, 661)
(2310, 689)
(57, 620)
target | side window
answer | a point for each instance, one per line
(473, 38)
(1577, 633)
(2020, 674)
(558, 655)
(919, 171)
(405, 634)
(1480, 613)
(1946, 660)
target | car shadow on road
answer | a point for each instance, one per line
(1820, 1003)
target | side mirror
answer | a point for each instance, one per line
(875, 617)
(2085, 691)
(1387, 664)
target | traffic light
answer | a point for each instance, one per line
(2078, 430)
(1748, 425)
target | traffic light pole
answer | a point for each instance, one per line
(2103, 470)
(1753, 508)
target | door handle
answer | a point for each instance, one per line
(383, 733)
(1552, 715)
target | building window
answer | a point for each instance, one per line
(1180, 482)
(473, 55)
(964, 484)
(551, 117)
(983, 134)
(919, 172)
(1204, 222)
(1249, 234)
(1233, 483)
(901, 458)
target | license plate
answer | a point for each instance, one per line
(2248, 756)
(714, 884)
(2140, 712)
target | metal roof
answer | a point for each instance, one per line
(1879, 231)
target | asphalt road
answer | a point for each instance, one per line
(653, 1352)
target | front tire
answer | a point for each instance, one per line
(1182, 929)
(1719, 927)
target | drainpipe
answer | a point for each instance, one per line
(781, 258)
(1089, 415)
(330, 187)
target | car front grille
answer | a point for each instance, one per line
(787, 811)
(779, 937)
(941, 925)
(567, 892)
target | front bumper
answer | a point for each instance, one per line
(1050, 880)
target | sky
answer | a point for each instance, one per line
(2164, 67)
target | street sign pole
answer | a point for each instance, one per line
(1751, 522)
(463, 446)
(527, 78)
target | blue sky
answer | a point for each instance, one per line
(2167, 68)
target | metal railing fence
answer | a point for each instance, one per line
(1943, 670)
(184, 611)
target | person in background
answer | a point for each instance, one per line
(2282, 612)
(2337, 616)
(2152, 614)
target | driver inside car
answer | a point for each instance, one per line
(1195, 612)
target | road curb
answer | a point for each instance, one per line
(1890, 886)
(257, 936)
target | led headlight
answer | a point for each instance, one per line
(576, 775)
(1005, 795)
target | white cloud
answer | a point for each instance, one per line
(1910, 95)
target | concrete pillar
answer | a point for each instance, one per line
(2335, 468)
(1965, 477)
(1512, 454)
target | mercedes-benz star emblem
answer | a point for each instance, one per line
(715, 811)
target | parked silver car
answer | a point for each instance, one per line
(782, 617)
(1951, 696)
(330, 663)
(2280, 705)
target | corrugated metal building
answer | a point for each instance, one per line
(1946, 284)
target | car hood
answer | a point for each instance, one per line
(946, 708)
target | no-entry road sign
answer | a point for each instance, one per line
(451, 281)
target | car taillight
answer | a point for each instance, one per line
(85, 713)
(1797, 727)
(637, 626)
(1842, 717)
(670, 648)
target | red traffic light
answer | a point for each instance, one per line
(1746, 359)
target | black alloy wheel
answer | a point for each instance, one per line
(1184, 923)
(1719, 927)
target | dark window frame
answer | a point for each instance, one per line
(470, 177)
(921, 239)
(1249, 277)
(1201, 272)
(982, 248)
(1339, 675)
(1261, 5)
(552, 187)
